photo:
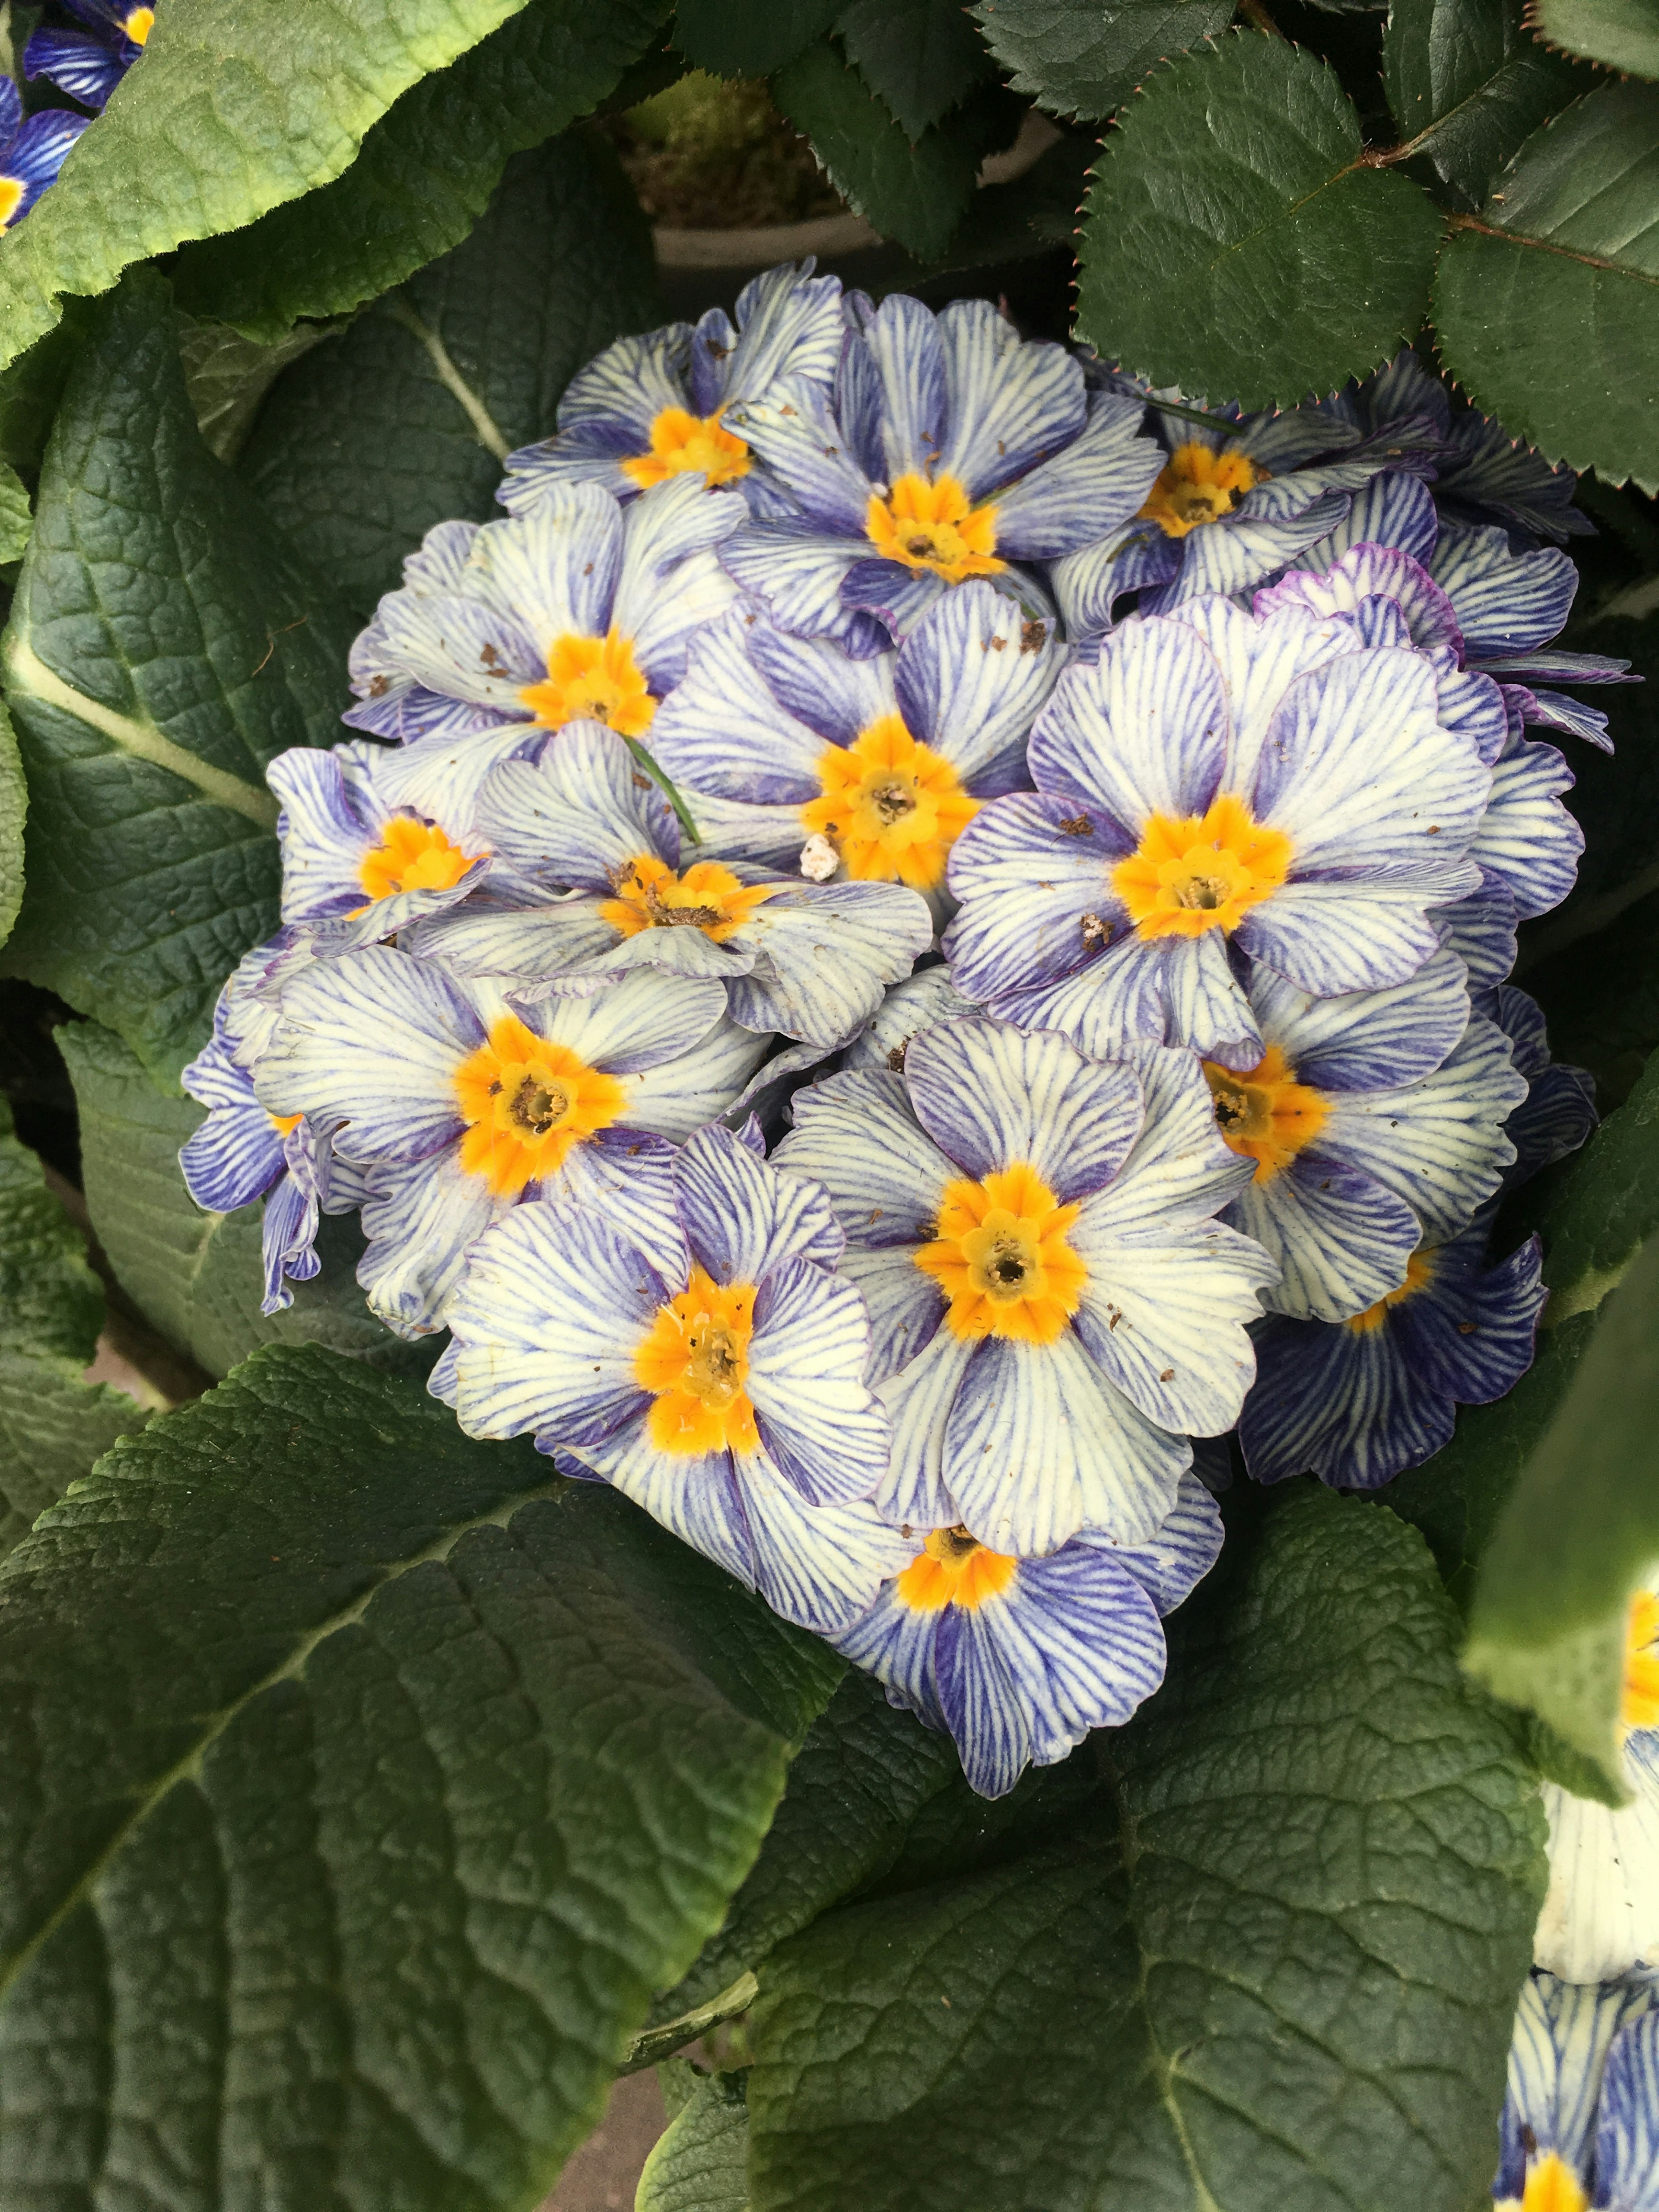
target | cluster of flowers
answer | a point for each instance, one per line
(87, 64)
(801, 658)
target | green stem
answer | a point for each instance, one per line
(674, 2035)
(1196, 415)
(667, 788)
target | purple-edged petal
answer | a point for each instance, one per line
(1367, 1039)
(1260, 658)
(823, 1429)
(1480, 930)
(1143, 731)
(421, 1224)
(794, 431)
(914, 1493)
(797, 570)
(855, 1134)
(1095, 485)
(1009, 402)
(743, 1217)
(1394, 509)
(1036, 902)
(821, 1566)
(1505, 602)
(906, 1307)
(1526, 835)
(1339, 1240)
(1372, 572)
(971, 679)
(1270, 527)
(823, 954)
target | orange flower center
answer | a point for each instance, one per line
(1265, 1115)
(1193, 874)
(1419, 1274)
(707, 897)
(1197, 485)
(892, 808)
(11, 194)
(1001, 1257)
(592, 679)
(695, 1361)
(137, 23)
(681, 442)
(1552, 2186)
(412, 856)
(1641, 1700)
(526, 1102)
(286, 1124)
(953, 1568)
(932, 526)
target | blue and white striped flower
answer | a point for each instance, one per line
(31, 151)
(1019, 1658)
(653, 407)
(1580, 2125)
(1372, 1120)
(594, 842)
(712, 1370)
(1558, 1111)
(456, 1102)
(1356, 1402)
(580, 610)
(1216, 786)
(921, 1000)
(89, 64)
(777, 740)
(1053, 1305)
(949, 447)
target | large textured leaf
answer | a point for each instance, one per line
(1467, 82)
(13, 516)
(163, 644)
(1547, 306)
(749, 38)
(234, 111)
(1623, 34)
(53, 1424)
(425, 174)
(365, 444)
(1282, 1980)
(701, 2164)
(921, 56)
(358, 1783)
(1236, 243)
(1085, 60)
(1578, 1533)
(197, 1277)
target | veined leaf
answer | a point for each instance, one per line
(234, 111)
(1085, 60)
(701, 2164)
(921, 56)
(367, 443)
(749, 38)
(1285, 1980)
(1622, 34)
(164, 643)
(1467, 83)
(358, 1783)
(14, 515)
(426, 173)
(1236, 242)
(1547, 306)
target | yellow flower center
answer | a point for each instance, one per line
(286, 1124)
(1265, 1115)
(11, 195)
(707, 897)
(1641, 1700)
(892, 808)
(1552, 2186)
(1197, 485)
(1195, 873)
(1419, 1274)
(412, 856)
(592, 679)
(953, 1568)
(526, 1102)
(932, 526)
(1001, 1257)
(695, 1361)
(137, 23)
(681, 441)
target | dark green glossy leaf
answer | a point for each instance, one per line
(358, 1783)
(921, 56)
(1235, 243)
(1467, 82)
(1622, 34)
(749, 38)
(1075, 58)
(365, 444)
(164, 643)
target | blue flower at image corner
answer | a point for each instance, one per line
(602, 887)
(791, 754)
(711, 1368)
(949, 447)
(1053, 1305)
(89, 64)
(31, 151)
(650, 407)
(1580, 2124)
(455, 1103)
(1017, 1659)
(580, 610)
(1215, 786)
(242, 1152)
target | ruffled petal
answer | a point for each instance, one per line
(823, 955)
(1260, 658)
(1526, 835)
(1143, 731)
(743, 1217)
(421, 1225)
(824, 1430)
(1339, 1240)
(856, 1134)
(1505, 602)
(971, 679)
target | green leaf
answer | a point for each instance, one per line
(1236, 244)
(358, 1783)
(1282, 1980)
(921, 56)
(913, 193)
(1580, 1531)
(1622, 34)
(1548, 306)
(425, 174)
(1085, 60)
(1467, 83)
(1601, 1205)
(164, 643)
(1602, 999)
(53, 1424)
(234, 111)
(14, 515)
(749, 38)
(197, 1277)
(701, 2163)
(228, 376)
(14, 808)
(366, 443)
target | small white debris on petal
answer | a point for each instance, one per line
(818, 858)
